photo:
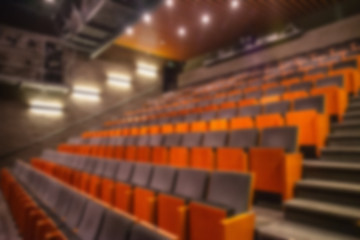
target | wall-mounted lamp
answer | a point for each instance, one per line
(146, 70)
(86, 93)
(120, 80)
(46, 107)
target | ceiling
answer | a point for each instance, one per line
(252, 17)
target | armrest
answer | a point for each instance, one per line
(293, 173)
(241, 226)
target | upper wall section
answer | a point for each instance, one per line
(339, 31)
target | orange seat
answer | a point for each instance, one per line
(269, 120)
(337, 99)
(270, 99)
(241, 123)
(290, 96)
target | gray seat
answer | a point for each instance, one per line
(274, 80)
(337, 81)
(111, 168)
(245, 139)
(115, 226)
(275, 91)
(277, 107)
(192, 117)
(91, 221)
(142, 174)
(76, 210)
(100, 168)
(143, 140)
(318, 70)
(156, 140)
(346, 64)
(235, 98)
(315, 102)
(140, 232)
(255, 83)
(303, 86)
(282, 137)
(192, 139)
(125, 171)
(163, 179)
(228, 113)
(191, 184)
(254, 94)
(250, 111)
(131, 141)
(207, 116)
(231, 191)
(215, 139)
(172, 140)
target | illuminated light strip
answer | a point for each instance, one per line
(45, 104)
(86, 93)
(146, 70)
(120, 80)
(44, 111)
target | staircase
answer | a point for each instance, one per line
(327, 199)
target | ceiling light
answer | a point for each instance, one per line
(120, 80)
(129, 31)
(234, 4)
(205, 19)
(46, 107)
(50, 1)
(147, 18)
(87, 93)
(169, 3)
(146, 70)
(182, 32)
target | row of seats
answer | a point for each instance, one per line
(184, 202)
(74, 216)
(348, 70)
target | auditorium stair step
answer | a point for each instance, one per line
(353, 107)
(350, 126)
(344, 139)
(341, 153)
(354, 100)
(286, 230)
(332, 171)
(353, 115)
(345, 194)
(325, 215)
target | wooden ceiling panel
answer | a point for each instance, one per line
(227, 25)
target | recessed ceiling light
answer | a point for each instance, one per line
(234, 4)
(205, 19)
(147, 18)
(129, 31)
(50, 1)
(169, 3)
(182, 31)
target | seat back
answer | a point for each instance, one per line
(91, 221)
(172, 140)
(250, 111)
(156, 140)
(231, 190)
(191, 184)
(346, 64)
(143, 140)
(111, 169)
(331, 81)
(319, 70)
(314, 102)
(115, 226)
(253, 95)
(275, 91)
(192, 139)
(278, 107)
(215, 139)
(76, 210)
(206, 116)
(140, 232)
(282, 137)
(142, 174)
(192, 117)
(303, 86)
(125, 171)
(163, 179)
(245, 139)
(228, 113)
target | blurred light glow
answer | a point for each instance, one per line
(182, 31)
(47, 112)
(86, 93)
(234, 4)
(146, 70)
(205, 19)
(46, 107)
(169, 3)
(120, 80)
(129, 31)
(147, 18)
